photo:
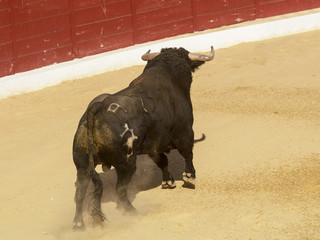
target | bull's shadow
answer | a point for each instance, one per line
(147, 176)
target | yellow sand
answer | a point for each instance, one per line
(258, 171)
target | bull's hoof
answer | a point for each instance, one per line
(131, 211)
(78, 226)
(98, 219)
(189, 181)
(126, 207)
(168, 184)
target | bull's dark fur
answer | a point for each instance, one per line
(153, 115)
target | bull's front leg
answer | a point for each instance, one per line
(189, 175)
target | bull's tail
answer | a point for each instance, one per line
(203, 137)
(98, 185)
(91, 112)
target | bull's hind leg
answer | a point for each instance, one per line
(83, 179)
(162, 162)
(125, 171)
(81, 189)
(96, 211)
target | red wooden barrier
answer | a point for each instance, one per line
(36, 33)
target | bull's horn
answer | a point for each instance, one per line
(149, 56)
(202, 57)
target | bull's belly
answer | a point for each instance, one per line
(156, 146)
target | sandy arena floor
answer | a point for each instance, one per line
(258, 170)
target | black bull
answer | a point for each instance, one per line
(153, 115)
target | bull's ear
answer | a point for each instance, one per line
(202, 57)
(149, 56)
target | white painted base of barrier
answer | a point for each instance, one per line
(198, 42)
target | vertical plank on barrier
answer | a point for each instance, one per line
(257, 8)
(72, 26)
(12, 69)
(134, 20)
(194, 15)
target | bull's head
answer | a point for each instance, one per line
(193, 56)
(178, 62)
